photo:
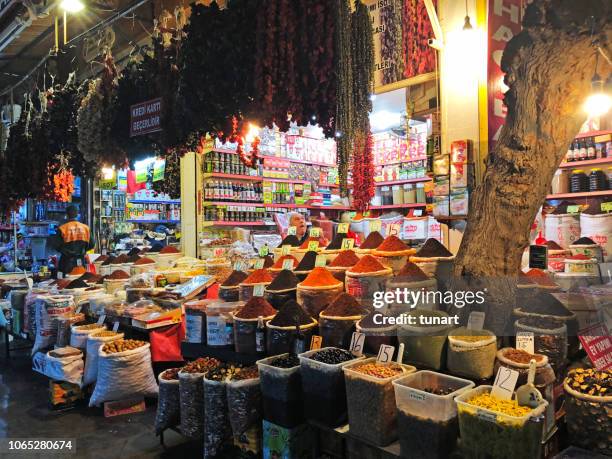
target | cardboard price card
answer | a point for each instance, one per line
(320, 261)
(375, 225)
(259, 264)
(476, 320)
(291, 231)
(357, 341)
(315, 232)
(385, 354)
(313, 245)
(315, 342)
(348, 244)
(343, 228)
(504, 384)
(258, 290)
(288, 264)
(285, 250)
(238, 266)
(525, 342)
(394, 229)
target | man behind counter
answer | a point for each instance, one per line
(72, 241)
(301, 228)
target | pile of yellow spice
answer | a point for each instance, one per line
(509, 407)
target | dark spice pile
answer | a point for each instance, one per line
(109, 261)
(171, 374)
(285, 280)
(308, 262)
(545, 323)
(133, 258)
(156, 248)
(344, 305)
(426, 438)
(254, 308)
(368, 321)
(90, 277)
(332, 356)
(259, 276)
(133, 251)
(336, 243)
(345, 259)
(433, 248)
(439, 390)
(290, 315)
(552, 245)
(291, 240)
(121, 259)
(235, 278)
(288, 361)
(584, 241)
(373, 240)
(77, 283)
(545, 303)
(593, 209)
(246, 373)
(412, 272)
(118, 274)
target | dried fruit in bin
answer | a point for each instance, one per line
(123, 345)
(201, 365)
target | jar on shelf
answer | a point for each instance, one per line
(398, 196)
(420, 193)
(579, 181)
(597, 180)
(409, 194)
(560, 182)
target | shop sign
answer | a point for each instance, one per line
(107, 184)
(598, 345)
(505, 17)
(145, 117)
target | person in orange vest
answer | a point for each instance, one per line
(72, 241)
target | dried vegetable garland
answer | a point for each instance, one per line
(59, 184)
(391, 46)
(419, 57)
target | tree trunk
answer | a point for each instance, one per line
(549, 67)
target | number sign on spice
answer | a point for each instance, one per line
(259, 264)
(315, 232)
(606, 206)
(476, 320)
(313, 245)
(375, 225)
(357, 341)
(320, 261)
(315, 342)
(238, 266)
(504, 384)
(524, 342)
(288, 264)
(348, 243)
(393, 229)
(385, 354)
(258, 290)
(343, 228)
(264, 250)
(285, 250)
(291, 231)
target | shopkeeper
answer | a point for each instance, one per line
(72, 241)
(301, 228)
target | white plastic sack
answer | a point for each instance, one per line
(78, 337)
(69, 369)
(599, 229)
(48, 309)
(124, 375)
(564, 229)
(93, 348)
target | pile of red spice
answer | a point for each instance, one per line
(412, 272)
(392, 244)
(169, 249)
(78, 270)
(102, 258)
(235, 278)
(121, 259)
(118, 274)
(524, 279)
(578, 257)
(307, 241)
(344, 305)
(345, 259)
(367, 264)
(281, 261)
(552, 245)
(144, 261)
(90, 277)
(432, 249)
(109, 261)
(319, 277)
(373, 240)
(133, 258)
(255, 308)
(259, 276)
(539, 277)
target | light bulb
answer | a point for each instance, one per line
(253, 132)
(597, 104)
(72, 6)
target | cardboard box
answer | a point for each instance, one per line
(282, 443)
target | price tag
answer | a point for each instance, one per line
(116, 326)
(285, 250)
(218, 252)
(79, 262)
(288, 264)
(315, 232)
(343, 228)
(573, 209)
(524, 342)
(291, 231)
(375, 225)
(476, 320)
(320, 261)
(357, 341)
(101, 319)
(264, 250)
(504, 384)
(315, 342)
(259, 264)
(313, 245)
(238, 266)
(258, 290)
(417, 212)
(385, 354)
(60, 275)
(348, 243)
(606, 206)
(394, 229)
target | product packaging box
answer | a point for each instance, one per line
(282, 443)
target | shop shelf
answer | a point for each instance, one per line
(400, 161)
(153, 221)
(284, 206)
(586, 194)
(233, 203)
(223, 223)
(253, 178)
(588, 162)
(399, 182)
(451, 217)
(398, 206)
(291, 160)
(593, 133)
(147, 201)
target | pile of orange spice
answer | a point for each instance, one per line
(345, 259)
(392, 244)
(319, 277)
(367, 264)
(77, 271)
(281, 261)
(539, 277)
(259, 276)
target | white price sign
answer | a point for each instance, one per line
(394, 229)
(285, 250)
(288, 264)
(320, 261)
(385, 354)
(357, 341)
(258, 290)
(291, 231)
(259, 264)
(504, 384)
(315, 232)
(525, 342)
(238, 266)
(476, 320)
(375, 225)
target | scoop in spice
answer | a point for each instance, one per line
(392, 244)
(373, 240)
(412, 272)
(235, 278)
(346, 258)
(367, 264)
(291, 240)
(344, 305)
(281, 261)
(285, 280)
(308, 262)
(259, 276)
(254, 308)
(320, 277)
(290, 315)
(433, 248)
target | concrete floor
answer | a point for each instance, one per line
(24, 412)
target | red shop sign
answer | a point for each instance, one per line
(598, 345)
(145, 117)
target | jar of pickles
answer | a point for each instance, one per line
(579, 181)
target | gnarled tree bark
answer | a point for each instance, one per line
(548, 66)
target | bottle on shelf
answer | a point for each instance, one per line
(591, 153)
(569, 157)
(583, 150)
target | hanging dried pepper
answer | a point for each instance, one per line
(419, 57)
(59, 184)
(392, 53)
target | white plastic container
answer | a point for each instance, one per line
(281, 390)
(217, 317)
